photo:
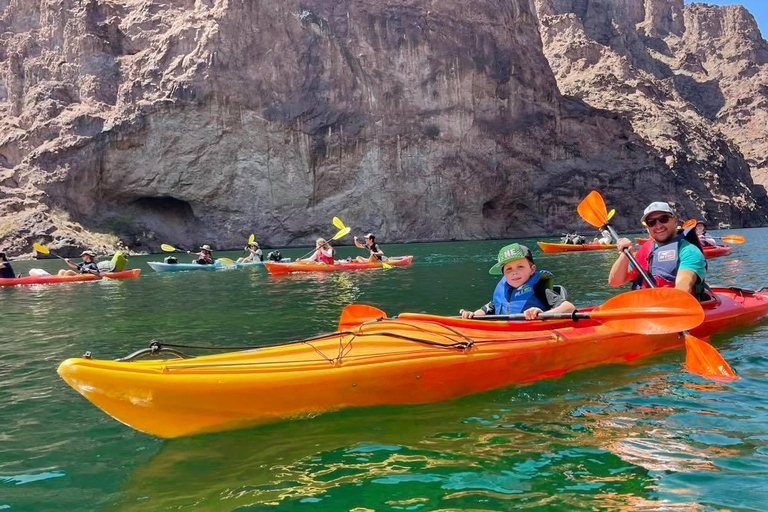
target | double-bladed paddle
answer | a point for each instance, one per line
(646, 311)
(343, 231)
(700, 357)
(44, 250)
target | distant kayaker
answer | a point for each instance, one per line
(523, 289)
(88, 265)
(671, 257)
(255, 253)
(324, 253)
(6, 270)
(375, 252)
(704, 238)
(204, 257)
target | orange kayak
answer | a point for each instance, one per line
(555, 247)
(123, 274)
(312, 266)
(413, 358)
(710, 251)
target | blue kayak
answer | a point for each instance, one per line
(159, 266)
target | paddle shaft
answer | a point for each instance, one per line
(548, 315)
(631, 257)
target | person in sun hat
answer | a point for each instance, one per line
(88, 265)
(522, 288)
(324, 253)
(6, 270)
(672, 257)
(255, 253)
(204, 257)
(374, 251)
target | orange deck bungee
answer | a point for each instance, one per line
(413, 358)
(555, 247)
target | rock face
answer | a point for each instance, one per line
(202, 121)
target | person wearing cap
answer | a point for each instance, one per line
(204, 257)
(672, 258)
(522, 289)
(88, 265)
(324, 253)
(375, 252)
(255, 253)
(6, 270)
(704, 238)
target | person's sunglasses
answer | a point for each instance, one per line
(652, 222)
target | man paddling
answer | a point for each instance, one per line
(668, 257)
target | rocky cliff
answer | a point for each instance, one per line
(187, 121)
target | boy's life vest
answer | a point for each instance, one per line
(508, 300)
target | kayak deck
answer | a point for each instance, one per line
(50, 279)
(413, 358)
(312, 266)
(550, 247)
(159, 266)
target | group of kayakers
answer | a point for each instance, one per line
(326, 254)
(672, 257)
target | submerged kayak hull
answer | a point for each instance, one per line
(159, 266)
(123, 274)
(555, 247)
(710, 251)
(311, 266)
(371, 366)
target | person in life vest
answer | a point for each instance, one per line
(522, 289)
(672, 258)
(255, 254)
(375, 252)
(88, 266)
(204, 257)
(704, 238)
(324, 253)
(6, 270)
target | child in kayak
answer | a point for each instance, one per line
(375, 252)
(324, 253)
(704, 238)
(522, 289)
(88, 266)
(6, 271)
(204, 257)
(256, 254)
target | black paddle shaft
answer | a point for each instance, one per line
(631, 257)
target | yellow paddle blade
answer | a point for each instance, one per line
(733, 239)
(343, 232)
(225, 261)
(703, 359)
(40, 248)
(355, 314)
(251, 238)
(167, 248)
(689, 223)
(611, 214)
(337, 222)
(592, 209)
(650, 311)
(386, 265)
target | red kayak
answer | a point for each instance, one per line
(14, 281)
(710, 251)
(313, 266)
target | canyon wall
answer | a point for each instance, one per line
(194, 121)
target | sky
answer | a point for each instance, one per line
(758, 8)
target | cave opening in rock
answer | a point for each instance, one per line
(165, 206)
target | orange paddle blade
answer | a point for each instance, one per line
(689, 223)
(703, 359)
(650, 311)
(733, 239)
(355, 314)
(592, 209)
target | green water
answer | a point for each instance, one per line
(620, 437)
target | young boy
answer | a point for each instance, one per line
(523, 289)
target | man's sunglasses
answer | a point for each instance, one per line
(662, 218)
